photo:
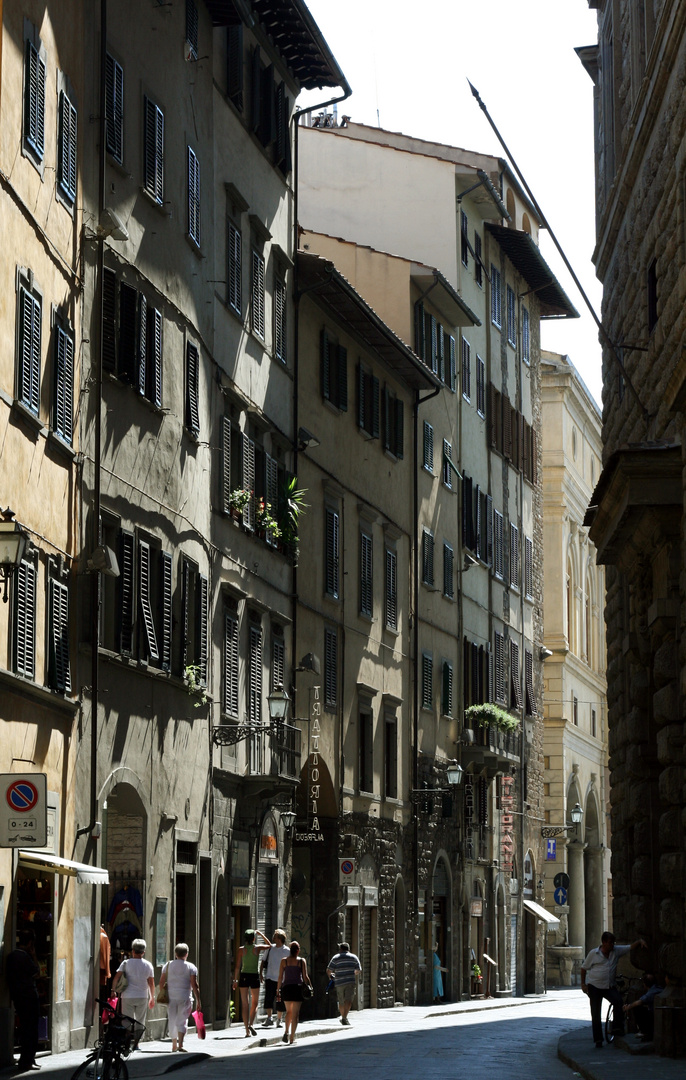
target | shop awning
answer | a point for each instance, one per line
(84, 874)
(541, 913)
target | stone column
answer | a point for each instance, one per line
(594, 886)
(577, 893)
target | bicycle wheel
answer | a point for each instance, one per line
(92, 1068)
(609, 1023)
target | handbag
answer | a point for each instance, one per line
(307, 991)
(123, 980)
(163, 995)
(199, 1023)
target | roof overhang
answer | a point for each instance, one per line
(84, 874)
(320, 277)
(482, 193)
(551, 921)
(526, 257)
(295, 34)
(444, 298)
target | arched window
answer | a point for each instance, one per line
(526, 224)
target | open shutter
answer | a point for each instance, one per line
(530, 707)
(64, 384)
(109, 320)
(29, 349)
(60, 677)
(192, 27)
(427, 680)
(255, 676)
(126, 594)
(185, 603)
(142, 344)
(154, 357)
(342, 378)
(144, 599)
(399, 427)
(325, 364)
(226, 464)
(278, 676)
(230, 699)
(255, 89)
(202, 627)
(249, 480)
(489, 530)
(153, 171)
(34, 101)
(330, 668)
(25, 620)
(192, 372)
(66, 162)
(267, 106)
(166, 643)
(391, 590)
(128, 333)
(331, 560)
(271, 484)
(193, 197)
(234, 53)
(515, 690)
(447, 702)
(257, 294)
(114, 108)
(366, 583)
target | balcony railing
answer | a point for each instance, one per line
(275, 751)
(489, 745)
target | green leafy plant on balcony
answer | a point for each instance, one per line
(490, 715)
(295, 505)
(476, 972)
(195, 685)
(265, 521)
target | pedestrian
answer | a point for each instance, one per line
(289, 988)
(269, 973)
(344, 968)
(180, 977)
(22, 971)
(643, 1008)
(437, 977)
(139, 993)
(247, 978)
(598, 973)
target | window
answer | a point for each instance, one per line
(427, 557)
(257, 294)
(254, 673)
(153, 150)
(366, 749)
(394, 421)
(29, 342)
(480, 387)
(390, 789)
(192, 388)
(114, 108)
(148, 648)
(575, 711)
(367, 402)
(391, 590)
(468, 530)
(449, 350)
(193, 197)
(334, 372)
(464, 238)
(594, 724)
(234, 63)
(447, 688)
(235, 243)
(278, 672)
(63, 407)
(34, 103)
(192, 28)
(652, 295)
(330, 669)
(511, 317)
(194, 618)
(496, 314)
(331, 554)
(280, 326)
(529, 702)
(59, 677)
(248, 477)
(528, 568)
(514, 556)
(499, 664)
(132, 346)
(150, 371)
(24, 637)
(478, 265)
(282, 140)
(447, 466)
(515, 690)
(448, 571)
(526, 337)
(427, 680)
(498, 552)
(366, 575)
(466, 370)
(428, 447)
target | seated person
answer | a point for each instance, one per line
(642, 1008)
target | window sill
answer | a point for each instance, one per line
(194, 246)
(152, 201)
(368, 795)
(65, 199)
(34, 157)
(394, 630)
(29, 418)
(60, 446)
(231, 310)
(56, 699)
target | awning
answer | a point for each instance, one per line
(84, 874)
(541, 913)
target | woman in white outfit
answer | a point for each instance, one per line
(180, 977)
(139, 993)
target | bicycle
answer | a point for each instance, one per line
(120, 1035)
(624, 984)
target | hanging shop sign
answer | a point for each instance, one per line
(506, 824)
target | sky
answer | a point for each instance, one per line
(408, 66)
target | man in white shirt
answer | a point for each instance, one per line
(269, 974)
(598, 975)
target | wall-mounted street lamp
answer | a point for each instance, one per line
(576, 814)
(12, 548)
(453, 775)
(278, 703)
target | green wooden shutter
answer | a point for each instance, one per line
(234, 272)
(226, 464)
(114, 108)
(399, 428)
(249, 480)
(25, 620)
(234, 55)
(153, 364)
(153, 155)
(342, 378)
(58, 671)
(64, 385)
(255, 676)
(391, 590)
(185, 606)
(66, 160)
(331, 554)
(29, 350)
(34, 101)
(271, 486)
(231, 668)
(447, 697)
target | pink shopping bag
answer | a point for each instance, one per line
(199, 1023)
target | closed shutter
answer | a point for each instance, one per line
(448, 571)
(507, 428)
(466, 369)
(489, 666)
(391, 590)
(193, 197)
(267, 106)
(330, 668)
(331, 554)
(427, 557)
(477, 521)
(280, 319)
(452, 378)
(366, 583)
(249, 480)
(399, 428)
(447, 703)
(434, 345)
(192, 379)
(325, 364)
(498, 556)
(281, 128)
(530, 705)
(528, 566)
(128, 333)
(499, 665)
(202, 616)
(255, 676)
(126, 595)
(231, 659)
(265, 899)
(514, 556)
(29, 349)
(66, 162)
(489, 530)
(114, 108)
(468, 512)
(257, 294)
(144, 599)
(153, 171)
(34, 101)
(419, 329)
(226, 464)
(153, 365)
(427, 680)
(440, 346)
(234, 277)
(109, 319)
(64, 384)
(142, 344)
(60, 677)
(25, 620)
(167, 625)
(428, 447)
(278, 662)
(342, 378)
(185, 615)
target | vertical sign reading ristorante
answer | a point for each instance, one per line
(314, 832)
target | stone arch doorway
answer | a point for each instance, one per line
(125, 856)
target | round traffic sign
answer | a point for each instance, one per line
(560, 897)
(22, 796)
(561, 881)
(347, 866)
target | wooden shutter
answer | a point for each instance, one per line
(126, 595)
(489, 670)
(452, 380)
(477, 522)
(507, 428)
(361, 397)
(29, 349)
(257, 294)
(325, 364)
(202, 615)
(331, 554)
(109, 320)
(234, 274)
(271, 487)
(267, 106)
(530, 707)
(193, 197)
(192, 27)
(399, 428)
(255, 89)
(226, 464)
(434, 345)
(278, 677)
(528, 566)
(428, 446)
(366, 571)
(498, 556)
(192, 379)
(342, 378)
(514, 556)
(280, 319)
(66, 171)
(128, 333)
(25, 620)
(34, 101)
(114, 108)
(64, 384)
(167, 622)
(448, 571)
(330, 668)
(440, 351)
(468, 512)
(474, 667)
(515, 691)
(255, 676)
(249, 480)
(153, 156)
(59, 636)
(281, 134)
(428, 557)
(147, 619)
(467, 697)
(185, 613)
(234, 55)
(447, 702)
(231, 659)
(489, 531)
(153, 362)
(427, 680)
(419, 330)
(391, 590)
(142, 345)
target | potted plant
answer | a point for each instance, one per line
(265, 523)
(238, 500)
(295, 504)
(490, 715)
(195, 684)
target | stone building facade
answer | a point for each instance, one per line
(637, 514)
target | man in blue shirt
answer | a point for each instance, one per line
(344, 969)
(598, 976)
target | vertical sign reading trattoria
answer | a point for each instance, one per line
(507, 823)
(314, 832)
